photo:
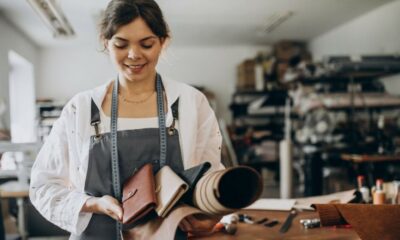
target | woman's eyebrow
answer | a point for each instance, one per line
(147, 38)
(141, 40)
(121, 39)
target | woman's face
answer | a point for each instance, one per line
(134, 49)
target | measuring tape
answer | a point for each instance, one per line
(116, 179)
(161, 122)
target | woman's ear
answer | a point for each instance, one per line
(105, 44)
(165, 42)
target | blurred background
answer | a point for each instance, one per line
(306, 92)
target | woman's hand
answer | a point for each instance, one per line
(199, 225)
(104, 205)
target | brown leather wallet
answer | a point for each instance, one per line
(138, 195)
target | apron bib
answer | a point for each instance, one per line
(135, 148)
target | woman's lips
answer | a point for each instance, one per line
(136, 68)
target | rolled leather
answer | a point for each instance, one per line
(226, 191)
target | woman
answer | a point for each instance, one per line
(71, 181)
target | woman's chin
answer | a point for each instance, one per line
(133, 77)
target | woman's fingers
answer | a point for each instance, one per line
(112, 214)
(112, 207)
(184, 225)
(115, 211)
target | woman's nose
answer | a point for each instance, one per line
(133, 53)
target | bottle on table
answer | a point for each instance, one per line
(396, 198)
(379, 196)
(363, 189)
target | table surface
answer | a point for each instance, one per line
(245, 231)
(296, 231)
(14, 189)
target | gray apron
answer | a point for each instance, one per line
(135, 148)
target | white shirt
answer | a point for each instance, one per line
(127, 123)
(59, 172)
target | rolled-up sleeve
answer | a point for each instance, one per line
(51, 191)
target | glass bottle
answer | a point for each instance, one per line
(379, 196)
(363, 189)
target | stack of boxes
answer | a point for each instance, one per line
(284, 51)
(246, 75)
(274, 66)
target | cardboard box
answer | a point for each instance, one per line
(246, 75)
(281, 70)
(284, 50)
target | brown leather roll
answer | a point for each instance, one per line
(226, 191)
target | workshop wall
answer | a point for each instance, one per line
(376, 32)
(67, 71)
(12, 39)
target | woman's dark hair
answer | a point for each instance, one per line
(121, 12)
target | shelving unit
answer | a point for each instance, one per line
(48, 112)
(258, 126)
(354, 89)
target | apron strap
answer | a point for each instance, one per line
(175, 109)
(175, 115)
(95, 118)
(95, 114)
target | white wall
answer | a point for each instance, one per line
(377, 32)
(11, 39)
(211, 67)
(67, 71)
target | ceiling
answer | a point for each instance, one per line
(203, 22)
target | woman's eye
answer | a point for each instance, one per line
(147, 46)
(121, 46)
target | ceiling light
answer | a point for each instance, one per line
(53, 17)
(277, 19)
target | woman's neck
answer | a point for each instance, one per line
(137, 87)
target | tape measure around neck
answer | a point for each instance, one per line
(161, 122)
(114, 144)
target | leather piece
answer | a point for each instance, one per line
(161, 228)
(371, 222)
(191, 176)
(169, 189)
(138, 195)
(226, 191)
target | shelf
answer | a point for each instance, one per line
(360, 158)
(366, 70)
(48, 113)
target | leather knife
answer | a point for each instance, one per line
(288, 222)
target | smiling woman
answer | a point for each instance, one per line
(99, 141)
(134, 34)
(135, 50)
